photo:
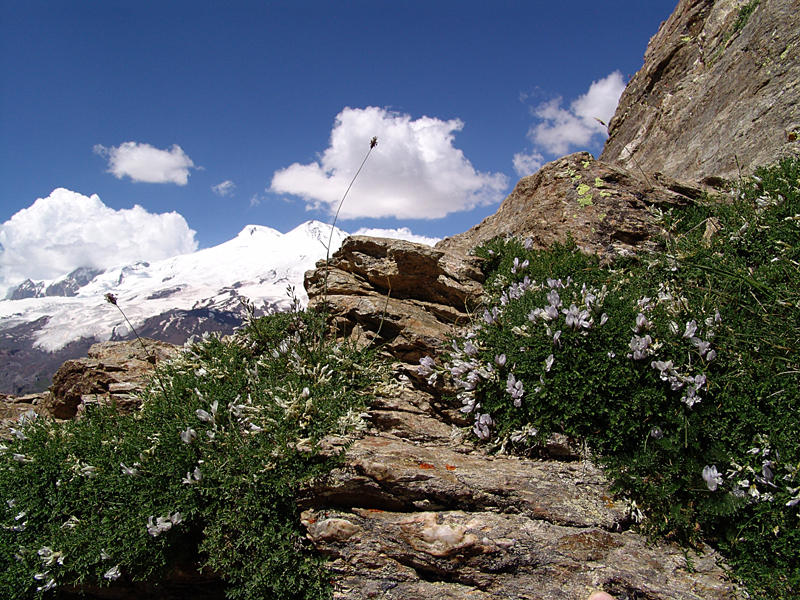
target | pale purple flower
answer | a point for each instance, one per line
(603, 319)
(470, 349)
(469, 402)
(528, 243)
(711, 355)
(550, 313)
(491, 317)
(204, 416)
(665, 368)
(639, 346)
(548, 363)
(712, 477)
(690, 397)
(189, 434)
(426, 366)
(51, 583)
(554, 299)
(500, 360)
(132, 471)
(192, 478)
(515, 389)
(642, 323)
(691, 329)
(162, 524)
(482, 424)
(701, 345)
(572, 315)
(18, 433)
(519, 266)
(588, 296)
(113, 573)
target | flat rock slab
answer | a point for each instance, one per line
(405, 520)
(460, 554)
(385, 472)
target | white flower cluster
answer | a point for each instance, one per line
(758, 483)
(163, 524)
(467, 370)
(49, 558)
(24, 419)
(643, 346)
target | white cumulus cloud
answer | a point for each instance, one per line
(67, 230)
(224, 189)
(561, 129)
(527, 164)
(401, 233)
(415, 172)
(143, 162)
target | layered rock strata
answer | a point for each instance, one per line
(402, 296)
(718, 95)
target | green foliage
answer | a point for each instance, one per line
(205, 473)
(679, 371)
(744, 15)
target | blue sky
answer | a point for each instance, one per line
(156, 103)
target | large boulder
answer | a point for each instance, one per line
(113, 372)
(403, 296)
(719, 91)
(415, 512)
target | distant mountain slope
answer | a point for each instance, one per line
(44, 323)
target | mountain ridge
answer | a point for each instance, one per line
(44, 323)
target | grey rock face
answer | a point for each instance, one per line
(714, 89)
(605, 208)
(26, 289)
(69, 285)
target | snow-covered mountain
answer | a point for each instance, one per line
(170, 299)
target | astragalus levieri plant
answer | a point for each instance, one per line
(679, 371)
(205, 473)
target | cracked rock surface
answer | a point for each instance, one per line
(716, 96)
(415, 513)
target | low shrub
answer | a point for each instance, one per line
(204, 473)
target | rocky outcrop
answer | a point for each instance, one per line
(720, 85)
(605, 208)
(113, 372)
(415, 512)
(403, 296)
